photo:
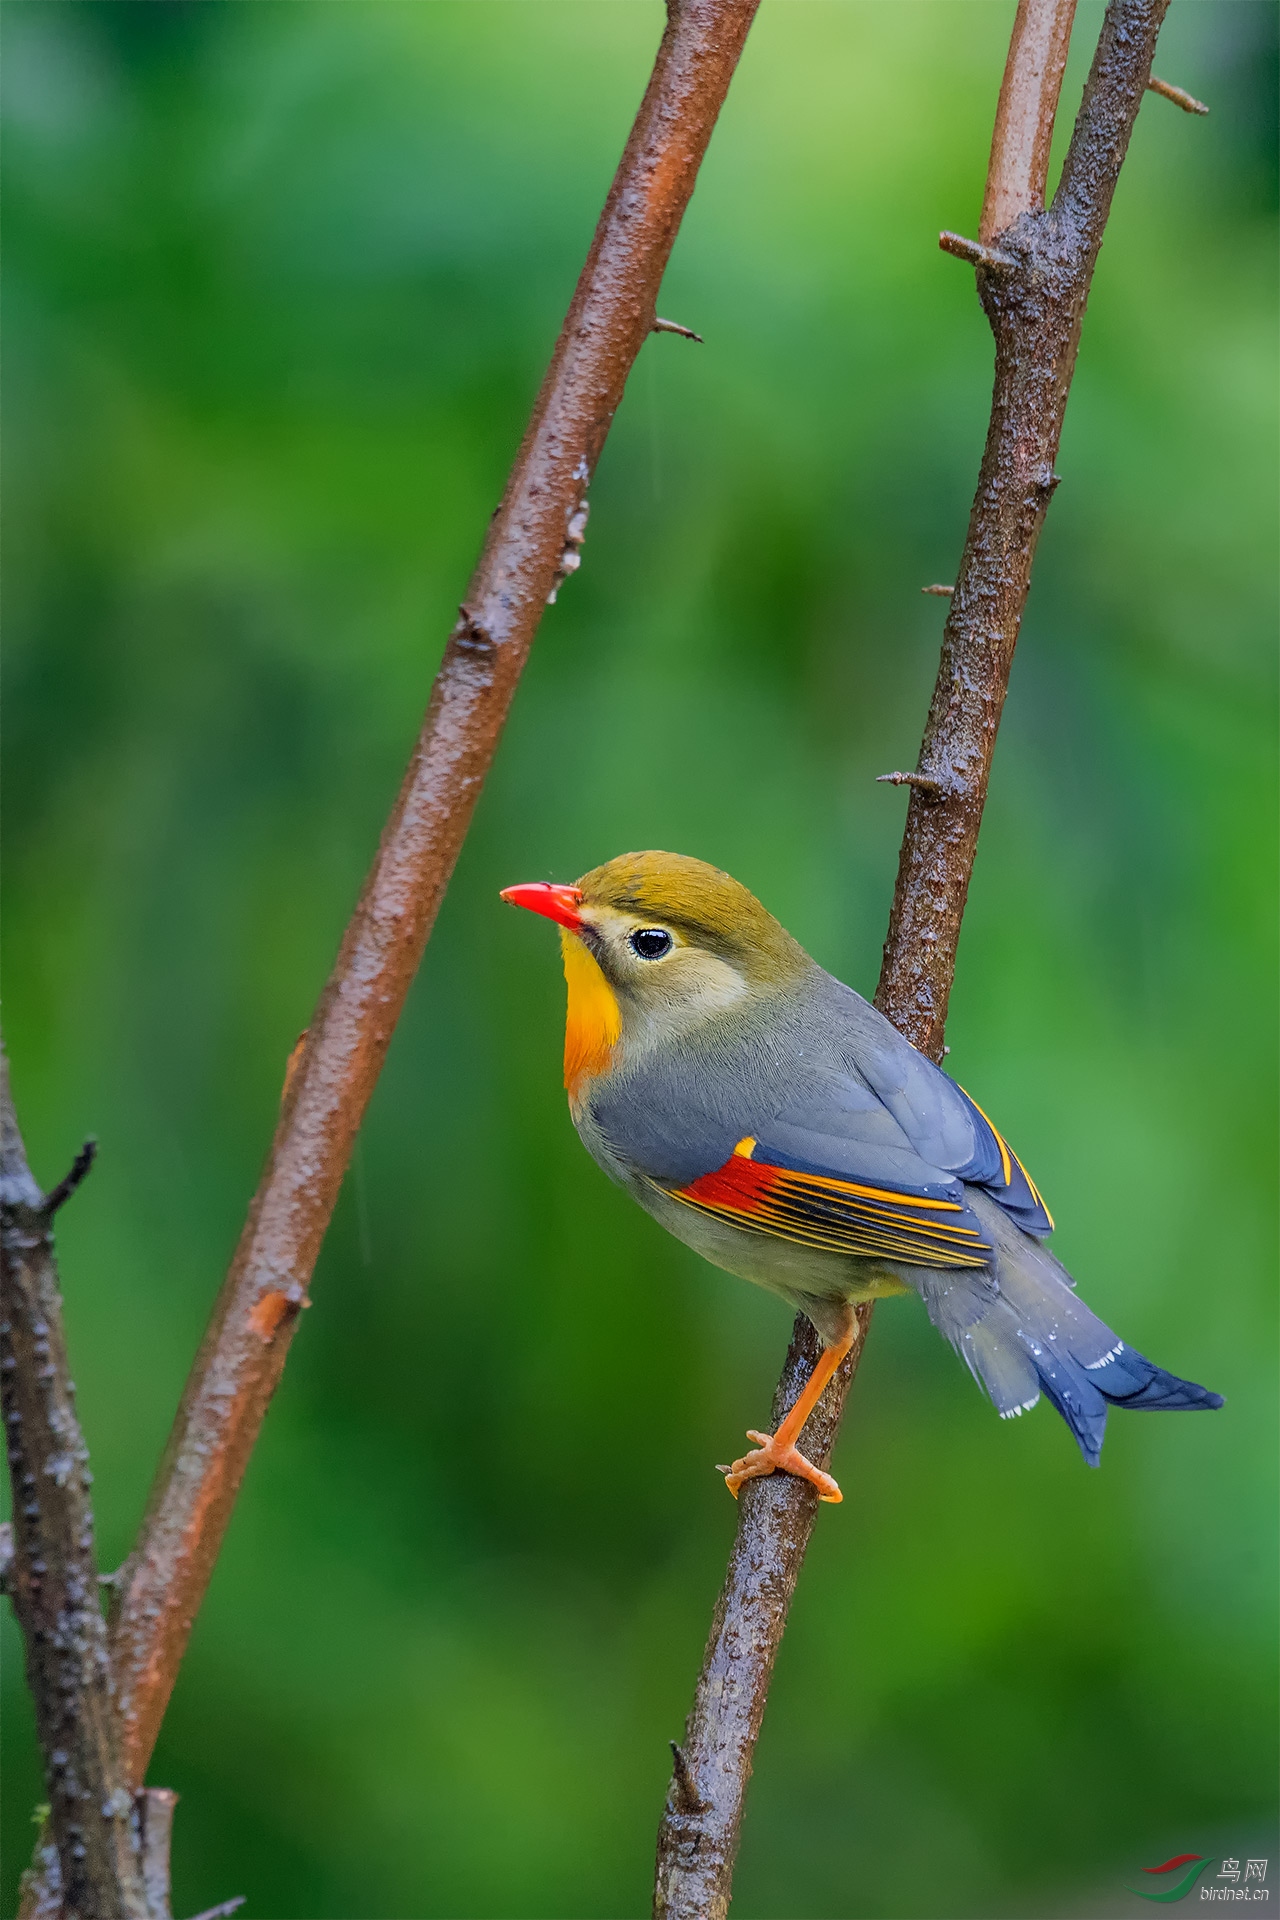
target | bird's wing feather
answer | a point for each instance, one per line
(763, 1189)
(859, 1142)
(942, 1123)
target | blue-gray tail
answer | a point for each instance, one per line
(1024, 1331)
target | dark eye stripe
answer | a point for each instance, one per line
(650, 943)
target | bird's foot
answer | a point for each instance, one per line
(770, 1457)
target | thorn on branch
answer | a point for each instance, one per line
(975, 253)
(931, 788)
(223, 1907)
(686, 333)
(470, 633)
(686, 1796)
(1179, 97)
(67, 1186)
(936, 589)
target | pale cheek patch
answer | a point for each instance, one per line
(705, 985)
(681, 996)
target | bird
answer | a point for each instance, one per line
(775, 1121)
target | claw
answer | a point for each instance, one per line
(769, 1457)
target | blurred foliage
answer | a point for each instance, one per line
(281, 281)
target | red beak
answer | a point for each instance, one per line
(554, 903)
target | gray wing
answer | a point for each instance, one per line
(826, 1090)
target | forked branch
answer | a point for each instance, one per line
(1034, 269)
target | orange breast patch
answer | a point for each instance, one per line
(592, 1022)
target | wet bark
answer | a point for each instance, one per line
(1033, 278)
(52, 1579)
(533, 544)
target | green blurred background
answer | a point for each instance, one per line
(281, 281)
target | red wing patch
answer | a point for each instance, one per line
(839, 1216)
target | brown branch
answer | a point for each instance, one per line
(698, 1834)
(535, 531)
(53, 1578)
(1035, 316)
(1025, 115)
(1035, 312)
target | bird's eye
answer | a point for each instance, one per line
(650, 943)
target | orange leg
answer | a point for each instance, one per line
(778, 1450)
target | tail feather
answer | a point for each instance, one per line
(999, 1362)
(1023, 1330)
(1128, 1379)
(1068, 1387)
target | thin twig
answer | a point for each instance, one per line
(53, 1580)
(977, 255)
(1035, 312)
(244, 1349)
(938, 589)
(59, 1195)
(673, 326)
(1025, 115)
(1179, 97)
(223, 1908)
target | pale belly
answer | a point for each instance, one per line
(809, 1278)
(764, 1258)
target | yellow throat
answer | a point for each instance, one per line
(592, 1021)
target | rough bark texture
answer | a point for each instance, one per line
(53, 1577)
(698, 1837)
(533, 542)
(1035, 307)
(1035, 303)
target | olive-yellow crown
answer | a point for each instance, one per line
(708, 907)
